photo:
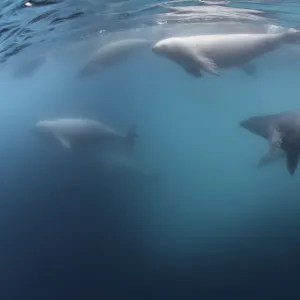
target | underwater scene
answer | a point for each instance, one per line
(149, 149)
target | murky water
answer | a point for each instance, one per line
(186, 213)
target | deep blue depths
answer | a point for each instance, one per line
(210, 226)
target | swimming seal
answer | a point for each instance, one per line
(113, 53)
(209, 53)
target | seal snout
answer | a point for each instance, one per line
(34, 129)
(155, 49)
(159, 47)
(244, 124)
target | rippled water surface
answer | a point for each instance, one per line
(30, 23)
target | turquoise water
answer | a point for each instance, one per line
(189, 216)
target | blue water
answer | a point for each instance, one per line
(201, 221)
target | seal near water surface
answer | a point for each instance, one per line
(73, 132)
(210, 52)
(283, 134)
(113, 53)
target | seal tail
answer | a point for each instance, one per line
(130, 138)
(87, 71)
(292, 36)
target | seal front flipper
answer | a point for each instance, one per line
(63, 140)
(292, 160)
(192, 70)
(270, 157)
(207, 65)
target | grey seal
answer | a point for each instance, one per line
(282, 131)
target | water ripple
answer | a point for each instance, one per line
(27, 23)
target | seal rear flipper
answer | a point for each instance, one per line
(208, 65)
(292, 160)
(291, 36)
(192, 70)
(63, 140)
(130, 138)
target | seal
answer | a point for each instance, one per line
(282, 131)
(113, 53)
(74, 132)
(210, 52)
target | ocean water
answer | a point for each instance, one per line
(188, 215)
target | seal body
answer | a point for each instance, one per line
(72, 132)
(211, 52)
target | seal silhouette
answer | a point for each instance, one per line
(112, 54)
